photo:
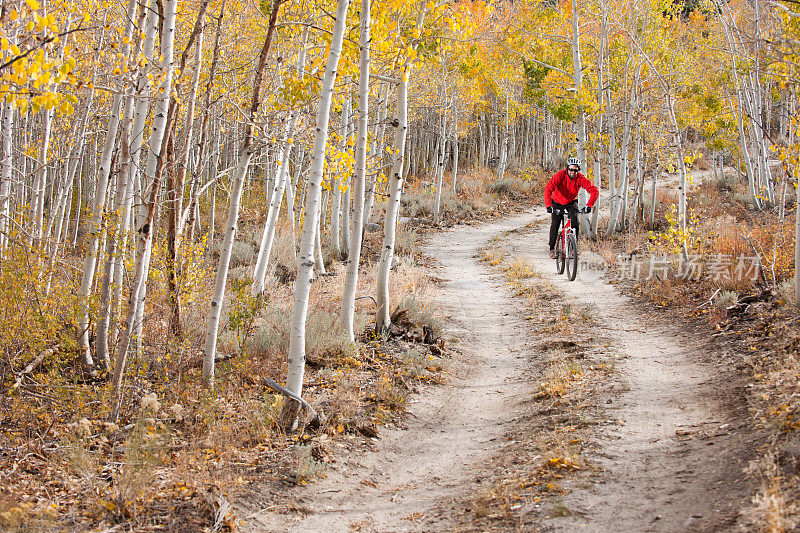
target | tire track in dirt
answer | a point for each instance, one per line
(410, 477)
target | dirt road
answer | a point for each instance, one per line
(666, 460)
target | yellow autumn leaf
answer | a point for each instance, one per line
(33, 4)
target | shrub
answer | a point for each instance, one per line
(325, 339)
(242, 253)
(785, 291)
(422, 314)
(726, 299)
(502, 187)
(271, 335)
(406, 240)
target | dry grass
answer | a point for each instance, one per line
(520, 267)
(493, 256)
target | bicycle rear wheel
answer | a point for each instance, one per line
(572, 256)
(560, 255)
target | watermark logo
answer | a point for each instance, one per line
(719, 268)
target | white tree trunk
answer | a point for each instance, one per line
(160, 119)
(455, 158)
(40, 181)
(6, 172)
(305, 261)
(7, 131)
(382, 318)
(96, 222)
(276, 198)
(354, 253)
(439, 171)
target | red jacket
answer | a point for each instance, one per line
(562, 189)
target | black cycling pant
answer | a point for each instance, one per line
(555, 223)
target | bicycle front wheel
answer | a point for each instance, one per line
(572, 256)
(560, 255)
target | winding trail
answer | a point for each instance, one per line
(659, 470)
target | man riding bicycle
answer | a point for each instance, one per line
(561, 193)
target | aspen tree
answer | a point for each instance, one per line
(305, 261)
(503, 142)
(454, 150)
(98, 206)
(6, 171)
(382, 318)
(7, 131)
(160, 126)
(40, 182)
(271, 224)
(354, 254)
(245, 155)
(440, 151)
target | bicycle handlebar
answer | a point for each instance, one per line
(565, 211)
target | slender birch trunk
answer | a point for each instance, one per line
(503, 146)
(245, 155)
(439, 172)
(6, 173)
(354, 255)
(6, 156)
(40, 181)
(454, 150)
(382, 318)
(305, 261)
(154, 157)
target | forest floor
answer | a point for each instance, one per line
(566, 405)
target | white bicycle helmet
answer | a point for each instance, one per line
(574, 161)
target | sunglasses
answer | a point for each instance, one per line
(572, 170)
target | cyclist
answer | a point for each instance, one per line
(561, 193)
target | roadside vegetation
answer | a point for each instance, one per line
(179, 453)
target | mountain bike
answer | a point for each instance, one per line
(567, 246)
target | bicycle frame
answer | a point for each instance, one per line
(567, 248)
(566, 227)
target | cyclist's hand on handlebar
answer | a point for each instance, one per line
(549, 209)
(587, 209)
